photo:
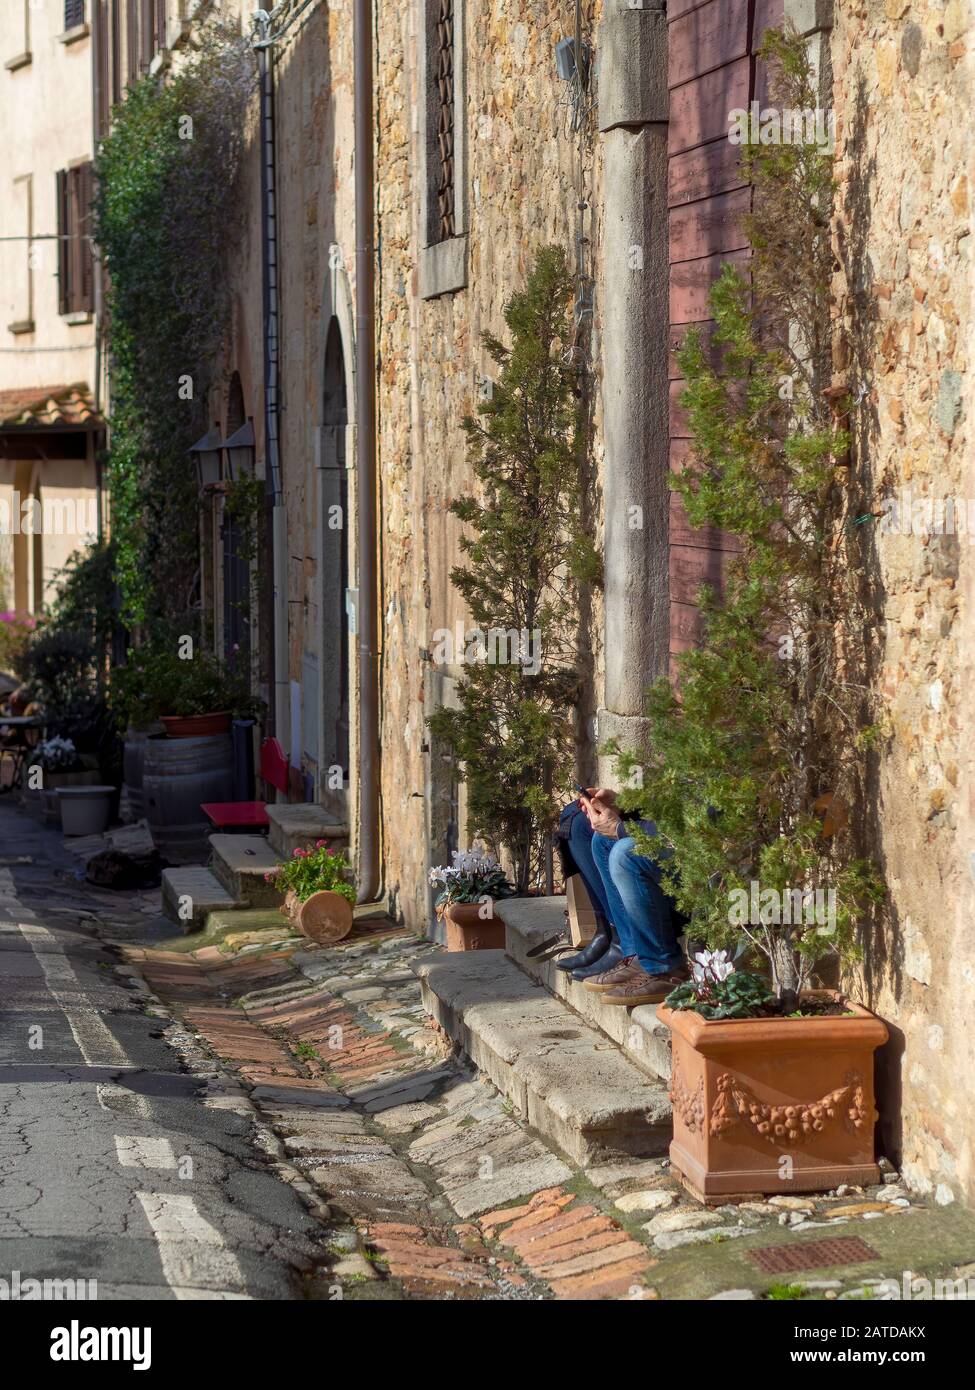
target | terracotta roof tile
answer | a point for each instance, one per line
(64, 407)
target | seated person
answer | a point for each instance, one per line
(634, 958)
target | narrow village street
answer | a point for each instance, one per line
(243, 1116)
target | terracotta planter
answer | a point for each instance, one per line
(467, 930)
(195, 725)
(749, 1094)
(325, 917)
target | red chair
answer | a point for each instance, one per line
(251, 815)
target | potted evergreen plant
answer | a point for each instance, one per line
(754, 759)
(469, 888)
(527, 559)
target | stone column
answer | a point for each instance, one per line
(633, 112)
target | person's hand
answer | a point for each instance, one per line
(604, 794)
(603, 818)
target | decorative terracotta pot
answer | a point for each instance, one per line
(773, 1105)
(195, 725)
(467, 930)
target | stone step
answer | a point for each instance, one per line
(240, 863)
(190, 894)
(298, 825)
(530, 921)
(562, 1075)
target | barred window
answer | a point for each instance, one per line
(443, 113)
(445, 118)
(74, 14)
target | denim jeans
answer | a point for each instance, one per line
(625, 887)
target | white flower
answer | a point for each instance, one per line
(714, 965)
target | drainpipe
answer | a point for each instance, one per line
(632, 119)
(279, 514)
(365, 450)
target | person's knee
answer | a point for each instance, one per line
(622, 861)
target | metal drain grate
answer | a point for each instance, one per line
(812, 1254)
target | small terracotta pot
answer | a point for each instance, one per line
(467, 930)
(195, 725)
(750, 1093)
(325, 917)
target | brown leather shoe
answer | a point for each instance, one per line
(626, 969)
(644, 988)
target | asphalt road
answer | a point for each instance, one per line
(114, 1167)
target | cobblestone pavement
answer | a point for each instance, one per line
(343, 1149)
(433, 1188)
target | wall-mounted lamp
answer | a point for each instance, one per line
(206, 455)
(240, 452)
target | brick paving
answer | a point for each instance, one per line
(579, 1251)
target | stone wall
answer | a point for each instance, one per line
(903, 96)
(521, 181)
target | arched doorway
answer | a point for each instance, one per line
(334, 565)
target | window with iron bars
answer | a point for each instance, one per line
(74, 14)
(445, 119)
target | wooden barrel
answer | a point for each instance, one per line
(177, 775)
(133, 760)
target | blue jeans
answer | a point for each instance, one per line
(625, 887)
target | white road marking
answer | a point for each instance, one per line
(193, 1253)
(121, 1101)
(134, 1151)
(96, 1043)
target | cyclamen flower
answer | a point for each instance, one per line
(716, 964)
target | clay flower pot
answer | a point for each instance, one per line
(773, 1105)
(467, 930)
(195, 725)
(325, 917)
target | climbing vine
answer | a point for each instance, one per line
(164, 212)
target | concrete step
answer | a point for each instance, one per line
(563, 1076)
(530, 921)
(189, 894)
(299, 825)
(240, 863)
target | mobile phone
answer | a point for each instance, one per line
(581, 790)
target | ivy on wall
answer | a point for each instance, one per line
(165, 213)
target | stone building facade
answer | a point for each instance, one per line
(631, 173)
(903, 88)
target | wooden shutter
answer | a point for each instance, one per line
(131, 39)
(116, 52)
(712, 68)
(85, 193)
(146, 26)
(63, 242)
(76, 272)
(160, 7)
